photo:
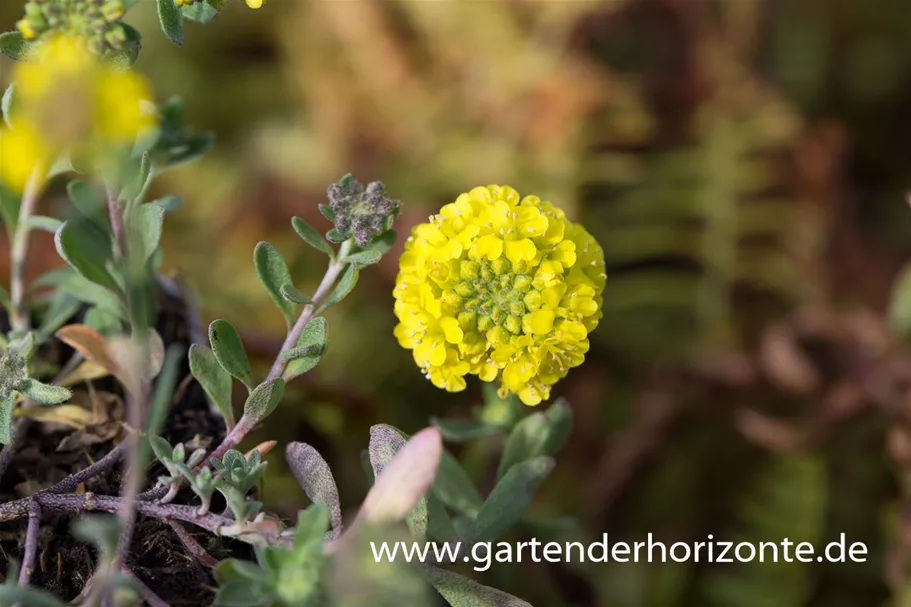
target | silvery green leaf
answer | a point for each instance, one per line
(42, 222)
(313, 238)
(507, 503)
(15, 46)
(315, 478)
(364, 258)
(404, 479)
(161, 448)
(7, 402)
(43, 394)
(89, 202)
(290, 293)
(214, 380)
(273, 273)
(460, 591)
(229, 351)
(171, 19)
(346, 284)
(541, 433)
(455, 488)
(88, 250)
(146, 221)
(462, 430)
(200, 12)
(264, 399)
(314, 334)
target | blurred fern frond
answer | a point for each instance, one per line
(789, 501)
(689, 227)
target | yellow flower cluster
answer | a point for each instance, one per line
(499, 286)
(69, 100)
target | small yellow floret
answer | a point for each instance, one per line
(255, 3)
(502, 287)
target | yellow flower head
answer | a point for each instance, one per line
(69, 100)
(502, 287)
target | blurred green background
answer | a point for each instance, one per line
(744, 164)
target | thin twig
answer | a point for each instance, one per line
(89, 502)
(106, 463)
(192, 546)
(31, 543)
(19, 317)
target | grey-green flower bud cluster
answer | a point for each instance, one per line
(96, 21)
(358, 211)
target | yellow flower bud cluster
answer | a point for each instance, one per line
(502, 287)
(67, 100)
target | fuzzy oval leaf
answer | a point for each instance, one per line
(15, 46)
(290, 293)
(509, 500)
(171, 21)
(314, 334)
(264, 399)
(460, 591)
(214, 380)
(344, 287)
(88, 250)
(315, 478)
(229, 351)
(273, 273)
(405, 479)
(364, 258)
(43, 394)
(313, 238)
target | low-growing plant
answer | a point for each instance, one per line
(495, 285)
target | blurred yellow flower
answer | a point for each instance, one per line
(255, 3)
(69, 100)
(499, 286)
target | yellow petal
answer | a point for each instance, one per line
(487, 246)
(539, 322)
(520, 250)
(451, 330)
(430, 352)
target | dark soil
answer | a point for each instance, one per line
(157, 556)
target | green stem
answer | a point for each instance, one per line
(19, 317)
(245, 425)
